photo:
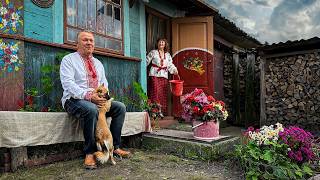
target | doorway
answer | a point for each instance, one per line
(158, 26)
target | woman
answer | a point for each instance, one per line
(161, 63)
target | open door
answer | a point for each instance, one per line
(192, 49)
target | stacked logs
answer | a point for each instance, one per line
(293, 91)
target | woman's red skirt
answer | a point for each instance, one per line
(158, 91)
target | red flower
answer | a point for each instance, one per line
(196, 109)
(8, 51)
(190, 99)
(211, 99)
(198, 92)
(6, 59)
(20, 103)
(30, 100)
(44, 109)
(154, 110)
(221, 102)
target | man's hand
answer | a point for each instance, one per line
(98, 100)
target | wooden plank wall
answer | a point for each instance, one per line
(44, 24)
(134, 23)
(120, 73)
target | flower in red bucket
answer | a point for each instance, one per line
(154, 110)
(197, 106)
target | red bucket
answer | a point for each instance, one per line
(176, 86)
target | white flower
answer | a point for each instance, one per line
(14, 58)
(2, 45)
(3, 10)
(4, 22)
(15, 16)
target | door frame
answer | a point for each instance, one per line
(167, 19)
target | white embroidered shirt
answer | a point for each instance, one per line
(156, 69)
(74, 77)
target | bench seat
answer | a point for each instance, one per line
(20, 129)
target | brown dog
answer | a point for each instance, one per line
(103, 135)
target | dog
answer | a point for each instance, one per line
(103, 134)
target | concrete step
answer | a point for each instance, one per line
(182, 143)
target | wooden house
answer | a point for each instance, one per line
(37, 32)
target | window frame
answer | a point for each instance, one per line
(74, 44)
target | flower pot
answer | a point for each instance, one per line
(205, 130)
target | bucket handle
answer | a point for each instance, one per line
(176, 75)
(193, 127)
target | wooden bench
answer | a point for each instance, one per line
(24, 129)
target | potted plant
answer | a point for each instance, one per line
(276, 152)
(205, 113)
(154, 111)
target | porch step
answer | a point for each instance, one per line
(182, 143)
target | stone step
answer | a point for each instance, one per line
(182, 143)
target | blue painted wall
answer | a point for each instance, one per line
(44, 24)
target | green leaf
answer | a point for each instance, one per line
(267, 156)
(299, 173)
(307, 170)
(46, 69)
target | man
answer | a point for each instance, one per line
(80, 74)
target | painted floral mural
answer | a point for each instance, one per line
(10, 17)
(9, 59)
(195, 64)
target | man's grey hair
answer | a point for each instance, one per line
(83, 31)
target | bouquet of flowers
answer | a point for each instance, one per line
(276, 152)
(197, 106)
(154, 110)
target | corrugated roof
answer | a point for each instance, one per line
(233, 34)
(298, 45)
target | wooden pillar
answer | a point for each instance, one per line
(19, 156)
(262, 91)
(235, 89)
(250, 117)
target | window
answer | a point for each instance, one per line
(102, 17)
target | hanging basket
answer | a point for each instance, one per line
(205, 130)
(176, 86)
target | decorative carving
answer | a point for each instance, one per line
(43, 3)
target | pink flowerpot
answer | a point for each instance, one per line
(205, 130)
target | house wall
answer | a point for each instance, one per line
(44, 24)
(291, 90)
(120, 74)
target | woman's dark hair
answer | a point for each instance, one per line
(166, 47)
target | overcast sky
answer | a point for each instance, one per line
(273, 20)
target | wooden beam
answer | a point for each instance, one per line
(19, 156)
(263, 120)
(66, 46)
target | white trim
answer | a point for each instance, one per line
(192, 48)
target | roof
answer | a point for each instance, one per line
(290, 46)
(195, 7)
(233, 34)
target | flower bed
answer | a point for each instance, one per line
(277, 152)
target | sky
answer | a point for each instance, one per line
(273, 21)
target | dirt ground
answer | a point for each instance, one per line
(142, 165)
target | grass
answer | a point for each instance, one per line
(142, 165)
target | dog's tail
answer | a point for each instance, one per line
(102, 157)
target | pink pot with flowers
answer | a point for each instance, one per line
(205, 130)
(204, 112)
